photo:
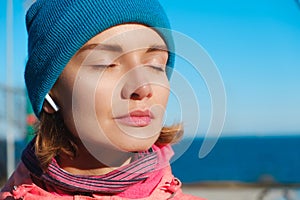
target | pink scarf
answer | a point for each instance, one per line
(146, 164)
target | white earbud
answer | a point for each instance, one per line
(51, 102)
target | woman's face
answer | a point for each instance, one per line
(113, 92)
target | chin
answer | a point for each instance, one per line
(138, 145)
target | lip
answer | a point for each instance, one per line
(136, 118)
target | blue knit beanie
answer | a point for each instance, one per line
(57, 29)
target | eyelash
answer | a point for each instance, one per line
(156, 68)
(104, 66)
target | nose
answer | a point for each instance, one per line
(137, 87)
(136, 92)
(141, 92)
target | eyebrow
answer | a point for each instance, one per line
(104, 47)
(118, 48)
(157, 48)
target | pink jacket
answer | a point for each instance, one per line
(21, 186)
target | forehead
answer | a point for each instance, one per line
(129, 37)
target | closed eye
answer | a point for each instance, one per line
(104, 65)
(157, 68)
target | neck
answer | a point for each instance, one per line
(85, 163)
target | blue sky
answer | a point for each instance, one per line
(255, 45)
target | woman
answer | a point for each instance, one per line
(97, 78)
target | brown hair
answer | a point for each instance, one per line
(54, 138)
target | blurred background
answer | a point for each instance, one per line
(255, 46)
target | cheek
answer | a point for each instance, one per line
(161, 95)
(86, 99)
(103, 102)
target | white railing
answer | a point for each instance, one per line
(12, 123)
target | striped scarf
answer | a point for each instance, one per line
(117, 181)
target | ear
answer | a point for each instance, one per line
(48, 108)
